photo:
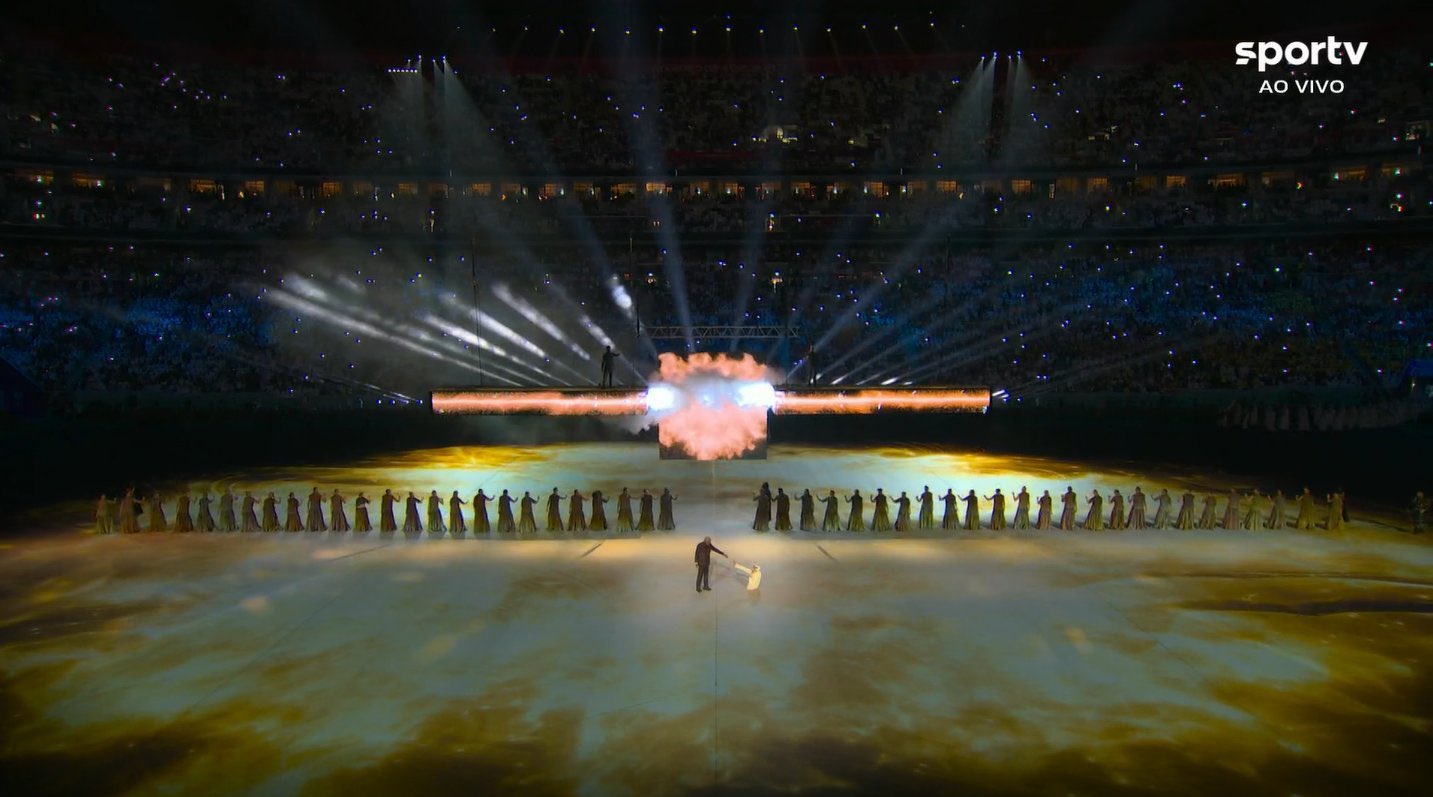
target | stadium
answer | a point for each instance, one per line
(1044, 391)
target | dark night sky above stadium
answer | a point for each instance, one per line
(453, 26)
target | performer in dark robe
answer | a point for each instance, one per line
(783, 510)
(624, 511)
(972, 511)
(1044, 519)
(857, 520)
(576, 519)
(227, 520)
(926, 518)
(763, 509)
(644, 515)
(554, 510)
(128, 516)
(1418, 509)
(387, 520)
(1022, 509)
(903, 513)
(155, 506)
(808, 511)
(456, 522)
(1185, 520)
(527, 521)
(950, 518)
(337, 516)
(599, 515)
(1137, 517)
(1067, 508)
(361, 523)
(435, 514)
(292, 520)
(183, 522)
(1117, 511)
(831, 518)
(412, 522)
(1304, 521)
(1162, 505)
(1095, 518)
(204, 520)
(666, 520)
(505, 519)
(1231, 510)
(480, 512)
(997, 510)
(1276, 512)
(251, 517)
(315, 512)
(271, 513)
(103, 524)
(880, 515)
(1206, 516)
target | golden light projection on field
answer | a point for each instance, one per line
(954, 663)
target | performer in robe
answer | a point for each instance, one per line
(271, 513)
(576, 520)
(644, 512)
(155, 506)
(1276, 512)
(1095, 518)
(808, 511)
(315, 512)
(183, 522)
(857, 519)
(554, 510)
(1335, 516)
(666, 520)
(412, 507)
(997, 510)
(1067, 508)
(292, 520)
(903, 513)
(227, 521)
(435, 514)
(251, 517)
(337, 515)
(1137, 516)
(204, 521)
(1117, 511)
(1185, 521)
(102, 516)
(456, 522)
(505, 519)
(1022, 509)
(1207, 513)
(926, 519)
(763, 509)
(1044, 520)
(599, 515)
(831, 518)
(387, 520)
(527, 522)
(972, 511)
(880, 518)
(1231, 510)
(624, 511)
(1162, 505)
(783, 510)
(1254, 516)
(1418, 508)
(480, 512)
(361, 523)
(128, 513)
(1304, 521)
(950, 518)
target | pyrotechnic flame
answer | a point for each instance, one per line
(720, 407)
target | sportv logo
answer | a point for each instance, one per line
(1269, 54)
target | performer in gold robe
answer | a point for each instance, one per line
(1185, 521)
(554, 510)
(337, 515)
(599, 515)
(1044, 519)
(1137, 517)
(972, 511)
(412, 522)
(387, 519)
(204, 520)
(227, 520)
(155, 507)
(624, 511)
(997, 510)
(435, 514)
(456, 522)
(1117, 511)
(251, 516)
(1276, 512)
(1304, 521)
(1231, 510)
(926, 519)
(315, 512)
(950, 517)
(666, 520)
(183, 522)
(880, 517)
(783, 510)
(644, 512)
(1335, 516)
(903, 513)
(1067, 508)
(1095, 518)
(102, 516)
(480, 512)
(271, 513)
(527, 522)
(128, 513)
(831, 518)
(1207, 513)
(576, 519)
(1254, 517)
(361, 523)
(1163, 503)
(292, 521)
(1022, 509)
(857, 519)
(505, 519)
(763, 509)
(808, 511)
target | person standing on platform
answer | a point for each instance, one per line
(666, 520)
(480, 512)
(155, 505)
(1137, 517)
(102, 516)
(527, 521)
(704, 563)
(183, 522)
(1335, 517)
(412, 523)
(576, 515)
(831, 518)
(972, 511)
(251, 517)
(644, 517)
(1276, 519)
(950, 517)
(292, 520)
(808, 511)
(505, 519)
(435, 514)
(1022, 509)
(599, 515)
(1162, 505)
(337, 515)
(1095, 518)
(128, 513)
(607, 357)
(315, 511)
(1231, 510)
(881, 518)
(903, 512)
(1207, 514)
(456, 522)
(763, 509)
(361, 523)
(1044, 518)
(387, 520)
(1305, 519)
(227, 521)
(271, 513)
(783, 510)
(857, 519)
(205, 519)
(554, 510)
(1067, 508)
(1185, 521)
(997, 510)
(624, 511)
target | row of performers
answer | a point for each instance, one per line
(1240, 511)
(255, 515)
